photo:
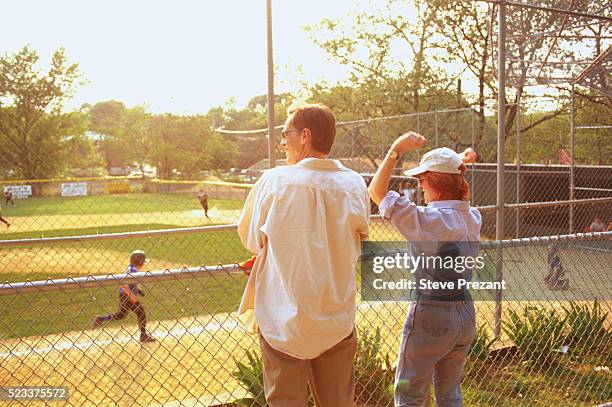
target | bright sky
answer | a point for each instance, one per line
(184, 56)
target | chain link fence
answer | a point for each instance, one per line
(555, 345)
(69, 241)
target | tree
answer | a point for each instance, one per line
(123, 133)
(80, 150)
(465, 28)
(370, 43)
(32, 125)
(186, 144)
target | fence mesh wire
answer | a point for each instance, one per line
(202, 356)
(554, 349)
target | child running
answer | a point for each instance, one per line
(128, 299)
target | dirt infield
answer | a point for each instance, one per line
(192, 360)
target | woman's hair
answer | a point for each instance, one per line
(449, 186)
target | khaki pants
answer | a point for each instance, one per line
(331, 376)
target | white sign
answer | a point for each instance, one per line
(74, 189)
(19, 191)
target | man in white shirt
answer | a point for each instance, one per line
(306, 221)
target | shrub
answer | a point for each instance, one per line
(374, 375)
(586, 323)
(251, 378)
(481, 347)
(536, 334)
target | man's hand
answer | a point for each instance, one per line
(248, 265)
(469, 156)
(408, 141)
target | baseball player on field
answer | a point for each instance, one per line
(203, 198)
(3, 220)
(128, 299)
(8, 197)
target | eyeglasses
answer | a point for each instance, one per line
(284, 133)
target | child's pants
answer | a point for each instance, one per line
(435, 342)
(125, 306)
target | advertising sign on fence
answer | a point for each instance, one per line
(74, 189)
(118, 187)
(19, 191)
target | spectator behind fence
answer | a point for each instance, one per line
(596, 226)
(436, 339)
(305, 221)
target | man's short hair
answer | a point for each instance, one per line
(321, 122)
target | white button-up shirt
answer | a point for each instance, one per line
(306, 223)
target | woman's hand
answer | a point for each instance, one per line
(469, 156)
(408, 141)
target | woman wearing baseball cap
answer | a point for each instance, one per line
(440, 325)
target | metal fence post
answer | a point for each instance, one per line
(572, 161)
(518, 164)
(501, 137)
(418, 192)
(472, 180)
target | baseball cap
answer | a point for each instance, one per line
(138, 257)
(441, 159)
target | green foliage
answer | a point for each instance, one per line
(373, 371)
(32, 126)
(124, 140)
(537, 333)
(481, 347)
(586, 323)
(250, 375)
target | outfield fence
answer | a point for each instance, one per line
(555, 345)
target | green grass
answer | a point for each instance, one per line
(518, 384)
(72, 310)
(193, 249)
(112, 204)
(40, 314)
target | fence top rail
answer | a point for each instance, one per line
(234, 269)
(116, 279)
(544, 240)
(546, 204)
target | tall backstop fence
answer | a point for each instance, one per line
(555, 347)
(544, 341)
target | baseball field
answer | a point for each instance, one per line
(45, 338)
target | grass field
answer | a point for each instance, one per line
(45, 338)
(64, 311)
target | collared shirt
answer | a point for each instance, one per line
(441, 228)
(306, 223)
(438, 221)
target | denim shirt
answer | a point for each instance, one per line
(442, 228)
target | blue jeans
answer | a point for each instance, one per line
(435, 342)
